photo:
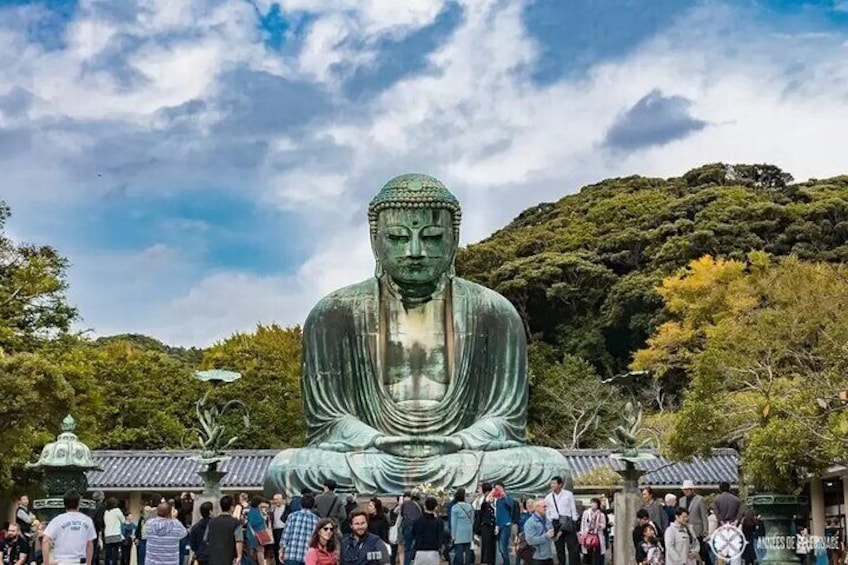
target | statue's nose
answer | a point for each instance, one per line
(415, 247)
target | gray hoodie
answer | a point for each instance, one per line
(163, 540)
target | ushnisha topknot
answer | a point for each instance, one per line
(414, 190)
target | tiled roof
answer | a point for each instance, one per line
(141, 470)
(722, 466)
(173, 470)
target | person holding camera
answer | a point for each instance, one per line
(561, 510)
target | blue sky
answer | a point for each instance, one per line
(205, 164)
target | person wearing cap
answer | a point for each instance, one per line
(698, 517)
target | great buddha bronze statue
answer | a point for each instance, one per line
(414, 375)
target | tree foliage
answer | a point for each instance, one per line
(583, 271)
(33, 306)
(570, 407)
(269, 361)
(764, 344)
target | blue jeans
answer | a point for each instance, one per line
(462, 554)
(407, 544)
(141, 551)
(504, 538)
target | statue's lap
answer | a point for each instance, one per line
(526, 469)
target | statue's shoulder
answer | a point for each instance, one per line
(344, 300)
(485, 297)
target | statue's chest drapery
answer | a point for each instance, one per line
(415, 358)
(474, 348)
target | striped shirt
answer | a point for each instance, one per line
(299, 529)
(163, 541)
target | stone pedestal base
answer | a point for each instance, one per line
(625, 505)
(211, 493)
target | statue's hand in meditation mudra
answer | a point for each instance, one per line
(415, 375)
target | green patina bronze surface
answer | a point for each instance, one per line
(64, 463)
(212, 437)
(414, 376)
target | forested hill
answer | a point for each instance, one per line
(583, 271)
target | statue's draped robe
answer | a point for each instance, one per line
(347, 405)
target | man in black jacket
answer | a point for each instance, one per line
(360, 547)
(198, 537)
(99, 525)
(427, 535)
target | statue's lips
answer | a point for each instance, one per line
(417, 265)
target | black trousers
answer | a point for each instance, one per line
(567, 549)
(488, 545)
(704, 551)
(542, 561)
(278, 535)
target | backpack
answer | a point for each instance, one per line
(516, 511)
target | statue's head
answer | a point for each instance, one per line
(414, 223)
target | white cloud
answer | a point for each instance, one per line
(473, 117)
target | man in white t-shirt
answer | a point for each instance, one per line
(69, 537)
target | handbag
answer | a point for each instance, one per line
(263, 537)
(394, 531)
(590, 541)
(565, 523)
(524, 551)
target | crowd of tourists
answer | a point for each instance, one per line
(490, 527)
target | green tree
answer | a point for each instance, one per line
(33, 306)
(37, 394)
(635, 231)
(763, 343)
(148, 396)
(569, 405)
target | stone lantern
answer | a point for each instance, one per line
(64, 463)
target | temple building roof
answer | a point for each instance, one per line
(167, 470)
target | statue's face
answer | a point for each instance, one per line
(416, 245)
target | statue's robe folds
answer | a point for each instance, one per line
(347, 405)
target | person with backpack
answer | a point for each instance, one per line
(197, 536)
(410, 513)
(427, 535)
(329, 505)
